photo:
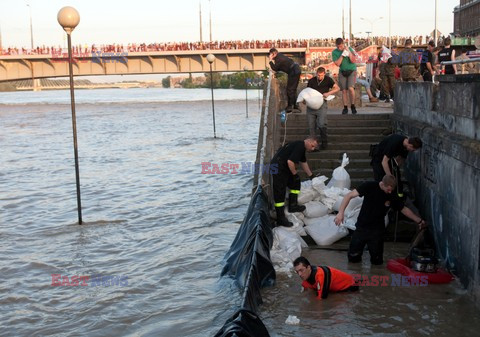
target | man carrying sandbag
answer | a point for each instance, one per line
(323, 279)
(370, 226)
(286, 159)
(317, 119)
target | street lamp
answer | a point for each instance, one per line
(390, 24)
(371, 25)
(69, 18)
(211, 59)
(31, 27)
(246, 90)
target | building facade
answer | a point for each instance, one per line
(466, 20)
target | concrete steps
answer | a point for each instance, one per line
(340, 139)
(351, 134)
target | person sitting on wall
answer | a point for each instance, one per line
(323, 279)
(279, 62)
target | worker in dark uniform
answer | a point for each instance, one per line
(323, 279)
(370, 226)
(279, 62)
(427, 67)
(394, 147)
(447, 54)
(286, 159)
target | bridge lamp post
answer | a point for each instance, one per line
(31, 27)
(371, 22)
(211, 59)
(69, 18)
(246, 90)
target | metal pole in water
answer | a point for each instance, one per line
(74, 127)
(246, 91)
(69, 18)
(211, 59)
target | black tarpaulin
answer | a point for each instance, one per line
(248, 262)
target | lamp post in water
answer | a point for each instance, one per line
(246, 90)
(69, 18)
(211, 59)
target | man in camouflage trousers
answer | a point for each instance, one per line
(409, 63)
(388, 78)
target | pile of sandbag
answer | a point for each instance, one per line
(317, 220)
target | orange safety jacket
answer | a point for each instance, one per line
(328, 279)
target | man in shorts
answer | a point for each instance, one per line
(343, 57)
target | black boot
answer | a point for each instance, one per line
(293, 205)
(289, 109)
(323, 137)
(281, 219)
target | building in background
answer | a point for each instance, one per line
(466, 21)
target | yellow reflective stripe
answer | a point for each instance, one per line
(279, 204)
(295, 191)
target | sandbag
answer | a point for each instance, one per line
(312, 98)
(294, 218)
(306, 195)
(286, 243)
(324, 231)
(315, 209)
(331, 195)
(318, 184)
(340, 176)
(351, 207)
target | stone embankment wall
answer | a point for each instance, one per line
(446, 171)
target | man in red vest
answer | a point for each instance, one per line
(323, 279)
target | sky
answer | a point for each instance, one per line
(105, 22)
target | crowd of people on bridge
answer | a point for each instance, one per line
(214, 45)
(164, 46)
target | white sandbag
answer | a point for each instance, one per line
(310, 221)
(340, 176)
(297, 223)
(324, 231)
(315, 209)
(288, 241)
(306, 195)
(351, 207)
(312, 98)
(306, 184)
(332, 195)
(318, 184)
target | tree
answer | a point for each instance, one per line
(166, 82)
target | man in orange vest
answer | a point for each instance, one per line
(323, 279)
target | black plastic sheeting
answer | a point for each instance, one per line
(248, 262)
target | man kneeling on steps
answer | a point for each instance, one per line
(286, 159)
(323, 279)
